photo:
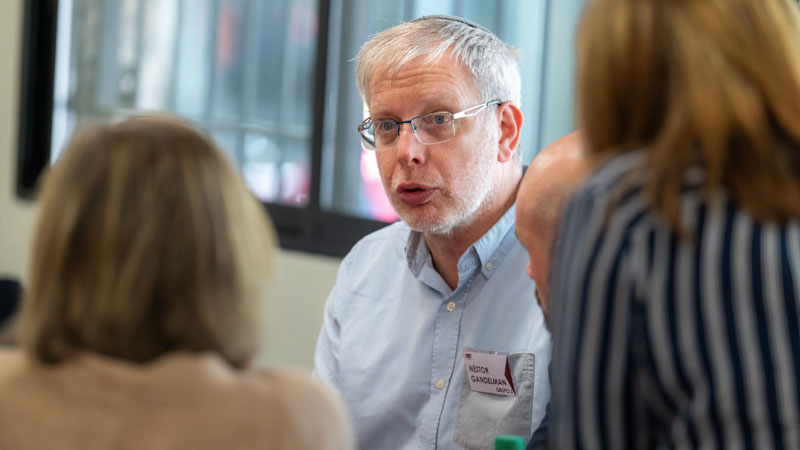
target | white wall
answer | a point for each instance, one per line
(294, 314)
(16, 217)
(301, 282)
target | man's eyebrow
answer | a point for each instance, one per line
(435, 105)
(381, 115)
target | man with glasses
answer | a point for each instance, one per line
(431, 333)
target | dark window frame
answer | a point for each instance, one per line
(310, 228)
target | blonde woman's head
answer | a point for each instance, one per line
(147, 242)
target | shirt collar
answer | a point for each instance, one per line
(490, 249)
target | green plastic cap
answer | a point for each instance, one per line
(509, 443)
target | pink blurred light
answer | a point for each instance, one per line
(379, 206)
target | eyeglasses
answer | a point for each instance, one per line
(431, 128)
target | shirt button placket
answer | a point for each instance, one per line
(444, 350)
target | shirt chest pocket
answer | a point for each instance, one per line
(483, 416)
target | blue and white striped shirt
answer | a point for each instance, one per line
(664, 342)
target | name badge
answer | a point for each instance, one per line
(489, 372)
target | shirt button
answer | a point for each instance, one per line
(489, 265)
(440, 383)
(451, 306)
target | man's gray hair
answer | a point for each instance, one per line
(493, 63)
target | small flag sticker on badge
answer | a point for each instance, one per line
(468, 355)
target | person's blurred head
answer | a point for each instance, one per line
(147, 242)
(442, 173)
(550, 179)
(714, 83)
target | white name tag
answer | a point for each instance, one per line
(489, 372)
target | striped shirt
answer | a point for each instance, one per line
(669, 342)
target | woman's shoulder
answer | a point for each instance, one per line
(625, 168)
(307, 402)
(291, 382)
(614, 191)
(12, 362)
(297, 389)
(285, 407)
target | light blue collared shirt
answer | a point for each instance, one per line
(394, 336)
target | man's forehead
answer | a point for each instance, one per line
(445, 84)
(416, 71)
(441, 94)
(421, 67)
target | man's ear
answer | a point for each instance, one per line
(510, 118)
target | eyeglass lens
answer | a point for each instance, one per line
(431, 128)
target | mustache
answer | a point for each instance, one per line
(398, 178)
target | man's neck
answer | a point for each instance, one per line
(446, 249)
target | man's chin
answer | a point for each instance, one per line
(440, 226)
(424, 223)
(431, 221)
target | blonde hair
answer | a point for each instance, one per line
(714, 83)
(147, 242)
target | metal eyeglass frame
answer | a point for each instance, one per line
(365, 126)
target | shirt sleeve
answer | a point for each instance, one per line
(592, 296)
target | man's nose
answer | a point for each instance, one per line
(410, 151)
